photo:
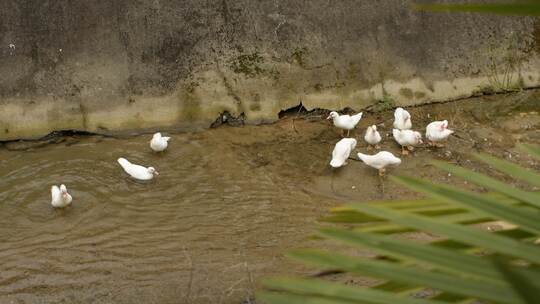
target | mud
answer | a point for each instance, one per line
(228, 202)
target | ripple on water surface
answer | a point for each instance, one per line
(209, 217)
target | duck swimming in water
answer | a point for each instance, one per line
(60, 198)
(159, 143)
(137, 171)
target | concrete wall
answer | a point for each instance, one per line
(128, 64)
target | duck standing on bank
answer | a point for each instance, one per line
(437, 132)
(159, 143)
(380, 160)
(60, 196)
(402, 119)
(372, 137)
(345, 122)
(136, 171)
(408, 139)
(341, 152)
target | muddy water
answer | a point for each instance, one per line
(129, 242)
(226, 206)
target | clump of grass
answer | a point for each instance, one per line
(504, 63)
(386, 103)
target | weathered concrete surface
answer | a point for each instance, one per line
(115, 65)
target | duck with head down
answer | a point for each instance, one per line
(437, 132)
(402, 119)
(380, 161)
(407, 139)
(159, 143)
(341, 152)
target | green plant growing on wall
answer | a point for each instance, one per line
(505, 63)
(484, 90)
(248, 64)
(299, 56)
(470, 264)
(503, 69)
(252, 65)
(385, 103)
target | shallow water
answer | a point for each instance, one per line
(121, 238)
(226, 206)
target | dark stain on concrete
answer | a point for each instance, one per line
(160, 43)
(419, 95)
(406, 92)
(112, 50)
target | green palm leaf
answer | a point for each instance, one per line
(499, 292)
(490, 183)
(510, 168)
(340, 292)
(447, 260)
(460, 233)
(288, 298)
(531, 149)
(522, 285)
(526, 218)
(444, 265)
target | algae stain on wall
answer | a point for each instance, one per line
(190, 104)
(187, 63)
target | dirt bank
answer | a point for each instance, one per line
(227, 204)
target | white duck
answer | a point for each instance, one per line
(402, 119)
(159, 143)
(341, 152)
(372, 137)
(346, 122)
(407, 139)
(136, 171)
(380, 160)
(60, 197)
(438, 131)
